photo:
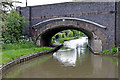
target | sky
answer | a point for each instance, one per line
(43, 2)
(39, 2)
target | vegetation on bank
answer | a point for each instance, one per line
(13, 29)
(11, 51)
(67, 35)
(70, 33)
(61, 40)
(112, 51)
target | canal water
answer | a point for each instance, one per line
(74, 60)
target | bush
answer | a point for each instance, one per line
(14, 27)
(106, 51)
(60, 35)
(76, 33)
(114, 50)
(70, 34)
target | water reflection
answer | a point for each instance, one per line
(75, 48)
(68, 58)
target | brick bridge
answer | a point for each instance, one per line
(100, 21)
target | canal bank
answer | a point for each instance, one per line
(24, 58)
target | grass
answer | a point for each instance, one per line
(112, 51)
(61, 40)
(12, 51)
(22, 45)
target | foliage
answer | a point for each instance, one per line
(113, 50)
(67, 34)
(75, 33)
(61, 40)
(6, 7)
(61, 35)
(70, 34)
(106, 51)
(24, 44)
(14, 28)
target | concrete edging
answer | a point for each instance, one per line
(26, 58)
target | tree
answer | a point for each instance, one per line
(76, 33)
(69, 33)
(5, 7)
(12, 23)
(14, 27)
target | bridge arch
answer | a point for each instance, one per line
(44, 31)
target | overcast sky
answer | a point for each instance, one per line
(39, 2)
(42, 2)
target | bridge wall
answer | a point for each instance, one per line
(117, 24)
(27, 13)
(99, 12)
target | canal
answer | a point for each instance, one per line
(74, 60)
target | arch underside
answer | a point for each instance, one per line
(96, 39)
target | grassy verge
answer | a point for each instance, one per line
(112, 51)
(12, 51)
(61, 40)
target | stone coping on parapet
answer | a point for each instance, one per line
(26, 58)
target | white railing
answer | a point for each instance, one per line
(69, 18)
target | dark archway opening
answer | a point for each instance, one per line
(46, 36)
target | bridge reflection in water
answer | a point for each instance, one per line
(75, 61)
(68, 56)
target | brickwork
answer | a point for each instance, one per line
(118, 24)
